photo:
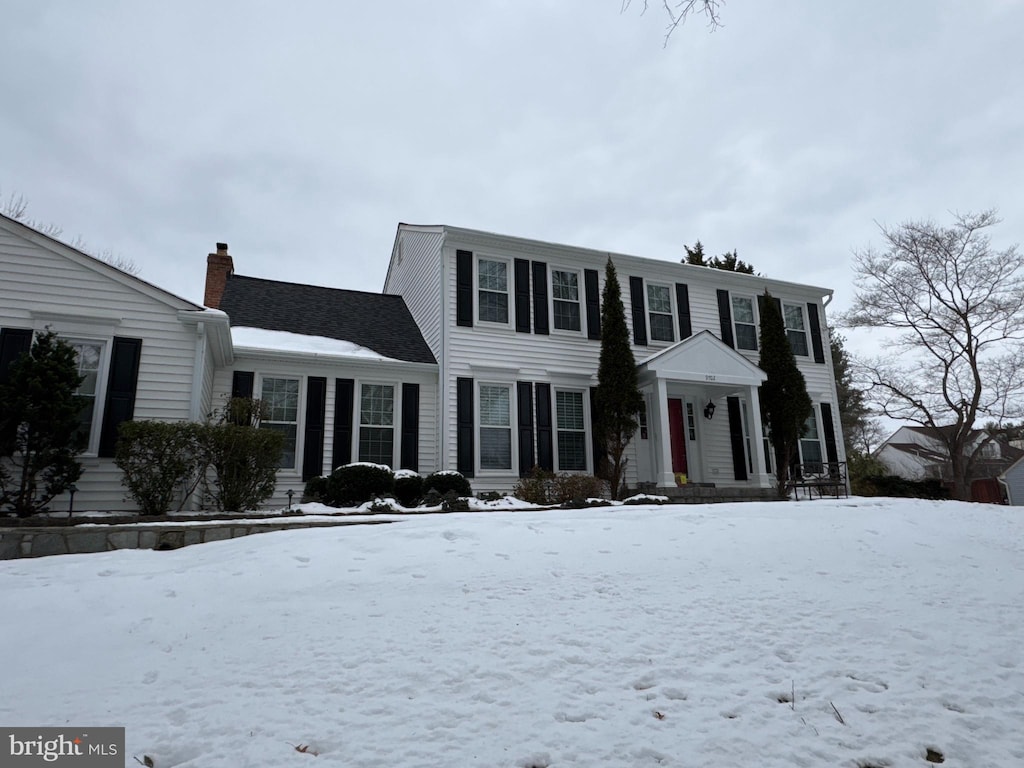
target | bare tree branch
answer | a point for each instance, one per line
(679, 10)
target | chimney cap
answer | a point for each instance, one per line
(222, 247)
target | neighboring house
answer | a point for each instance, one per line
(920, 453)
(1012, 480)
(515, 327)
(346, 374)
(144, 353)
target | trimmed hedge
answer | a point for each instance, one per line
(354, 484)
(408, 487)
(445, 481)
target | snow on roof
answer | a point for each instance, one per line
(284, 341)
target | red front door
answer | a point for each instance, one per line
(677, 438)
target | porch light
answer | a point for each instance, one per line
(709, 410)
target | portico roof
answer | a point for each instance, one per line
(704, 359)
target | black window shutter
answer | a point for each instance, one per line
(464, 288)
(683, 304)
(522, 290)
(13, 343)
(313, 442)
(593, 303)
(725, 317)
(524, 393)
(545, 454)
(815, 326)
(739, 453)
(410, 458)
(600, 454)
(465, 448)
(121, 385)
(242, 383)
(828, 427)
(636, 298)
(344, 396)
(540, 297)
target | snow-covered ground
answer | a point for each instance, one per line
(625, 636)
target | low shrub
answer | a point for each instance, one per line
(577, 489)
(316, 489)
(244, 461)
(535, 488)
(408, 487)
(445, 481)
(891, 485)
(352, 484)
(162, 463)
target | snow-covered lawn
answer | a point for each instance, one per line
(627, 636)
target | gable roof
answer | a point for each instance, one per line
(376, 321)
(80, 257)
(703, 358)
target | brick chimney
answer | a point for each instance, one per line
(218, 266)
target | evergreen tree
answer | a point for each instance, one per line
(617, 398)
(785, 404)
(728, 261)
(695, 255)
(40, 426)
(860, 433)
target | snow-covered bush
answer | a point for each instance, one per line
(353, 484)
(408, 487)
(447, 480)
(316, 489)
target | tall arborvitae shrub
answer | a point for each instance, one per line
(785, 404)
(617, 398)
(40, 426)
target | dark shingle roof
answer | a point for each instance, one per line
(373, 320)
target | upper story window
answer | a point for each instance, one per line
(281, 399)
(495, 426)
(492, 291)
(89, 356)
(796, 329)
(743, 323)
(565, 299)
(659, 312)
(572, 443)
(377, 423)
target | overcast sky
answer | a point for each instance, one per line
(302, 133)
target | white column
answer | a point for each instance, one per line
(763, 478)
(663, 470)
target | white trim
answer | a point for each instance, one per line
(102, 377)
(757, 321)
(513, 420)
(673, 312)
(509, 291)
(588, 459)
(396, 416)
(300, 414)
(580, 301)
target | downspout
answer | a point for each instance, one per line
(198, 369)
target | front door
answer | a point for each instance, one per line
(677, 438)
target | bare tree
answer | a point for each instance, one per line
(16, 207)
(679, 10)
(956, 309)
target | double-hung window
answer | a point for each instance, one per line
(281, 400)
(377, 423)
(89, 357)
(659, 312)
(810, 445)
(796, 330)
(743, 323)
(495, 426)
(492, 291)
(572, 443)
(565, 299)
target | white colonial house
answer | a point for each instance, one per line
(480, 355)
(514, 325)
